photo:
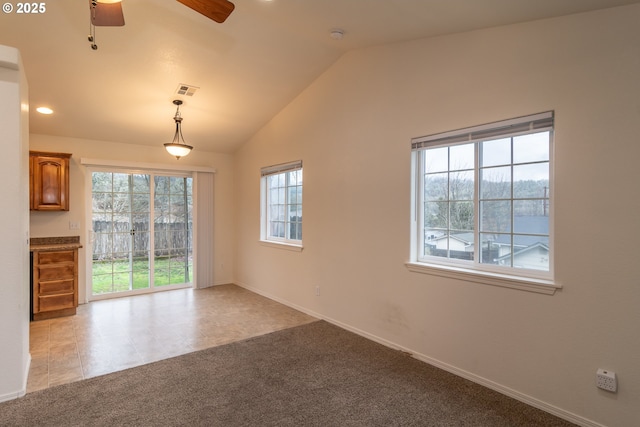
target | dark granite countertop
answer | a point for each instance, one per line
(55, 243)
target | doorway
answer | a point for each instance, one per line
(141, 233)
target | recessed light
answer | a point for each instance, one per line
(44, 110)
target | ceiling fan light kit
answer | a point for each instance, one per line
(106, 13)
(178, 147)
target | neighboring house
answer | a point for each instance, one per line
(534, 257)
(530, 250)
(461, 245)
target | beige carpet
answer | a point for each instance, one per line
(310, 375)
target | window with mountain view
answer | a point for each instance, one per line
(482, 197)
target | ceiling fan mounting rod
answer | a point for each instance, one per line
(92, 28)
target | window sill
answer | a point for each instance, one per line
(281, 245)
(540, 286)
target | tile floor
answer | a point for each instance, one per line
(111, 335)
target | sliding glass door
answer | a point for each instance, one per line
(172, 221)
(142, 233)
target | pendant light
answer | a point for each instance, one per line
(178, 147)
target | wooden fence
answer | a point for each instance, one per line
(169, 239)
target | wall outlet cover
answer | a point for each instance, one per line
(606, 380)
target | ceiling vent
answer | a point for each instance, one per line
(186, 90)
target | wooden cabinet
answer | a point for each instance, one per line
(49, 181)
(55, 283)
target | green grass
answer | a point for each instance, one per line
(113, 276)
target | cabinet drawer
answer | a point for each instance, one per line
(54, 281)
(54, 302)
(56, 257)
(58, 272)
(55, 287)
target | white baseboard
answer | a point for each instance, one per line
(16, 394)
(531, 401)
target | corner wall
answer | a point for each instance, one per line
(352, 129)
(14, 226)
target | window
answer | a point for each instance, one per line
(482, 198)
(281, 193)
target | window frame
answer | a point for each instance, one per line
(265, 237)
(541, 281)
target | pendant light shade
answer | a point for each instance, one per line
(178, 150)
(178, 147)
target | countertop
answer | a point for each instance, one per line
(40, 244)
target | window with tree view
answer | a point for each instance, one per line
(282, 203)
(142, 232)
(483, 196)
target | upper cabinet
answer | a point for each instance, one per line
(49, 181)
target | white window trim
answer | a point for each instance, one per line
(281, 245)
(274, 242)
(541, 286)
(532, 281)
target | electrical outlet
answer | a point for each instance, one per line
(74, 225)
(606, 380)
(318, 290)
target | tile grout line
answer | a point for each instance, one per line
(48, 353)
(75, 340)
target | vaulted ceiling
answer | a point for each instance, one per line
(245, 70)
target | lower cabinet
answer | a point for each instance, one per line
(55, 283)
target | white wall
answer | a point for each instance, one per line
(352, 129)
(14, 226)
(47, 224)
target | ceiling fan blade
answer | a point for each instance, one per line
(106, 14)
(218, 10)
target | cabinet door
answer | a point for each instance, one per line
(50, 181)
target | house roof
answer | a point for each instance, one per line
(537, 226)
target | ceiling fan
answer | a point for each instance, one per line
(108, 13)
